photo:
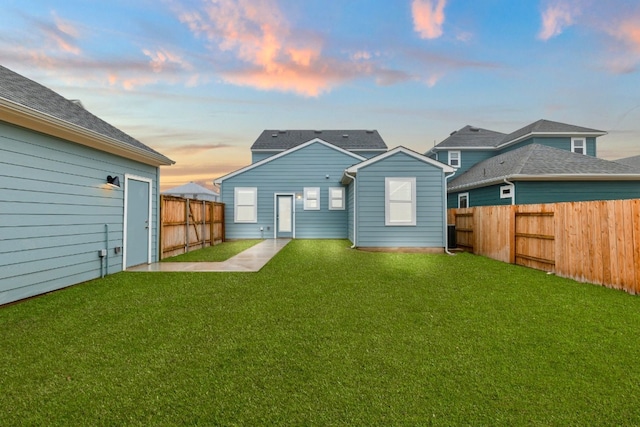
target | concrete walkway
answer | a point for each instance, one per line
(253, 259)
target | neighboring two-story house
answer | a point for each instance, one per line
(340, 184)
(543, 162)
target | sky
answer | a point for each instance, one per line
(199, 80)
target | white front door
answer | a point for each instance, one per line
(284, 216)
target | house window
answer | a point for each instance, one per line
(311, 198)
(463, 200)
(246, 204)
(506, 191)
(400, 201)
(336, 198)
(579, 145)
(454, 159)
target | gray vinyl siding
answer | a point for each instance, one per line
(563, 143)
(429, 228)
(291, 173)
(569, 191)
(54, 204)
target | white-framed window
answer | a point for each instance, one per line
(311, 198)
(400, 201)
(336, 198)
(454, 159)
(506, 191)
(463, 200)
(245, 204)
(579, 145)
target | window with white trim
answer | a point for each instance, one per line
(400, 201)
(245, 204)
(311, 198)
(463, 200)
(579, 145)
(506, 191)
(336, 198)
(454, 159)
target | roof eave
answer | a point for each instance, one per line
(534, 134)
(20, 115)
(548, 177)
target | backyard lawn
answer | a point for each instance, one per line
(325, 335)
(217, 253)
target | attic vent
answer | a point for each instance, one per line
(474, 129)
(274, 135)
(344, 135)
(370, 131)
(455, 131)
(317, 131)
(282, 131)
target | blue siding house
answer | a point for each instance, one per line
(78, 197)
(313, 188)
(543, 162)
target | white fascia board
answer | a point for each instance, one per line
(548, 134)
(400, 149)
(550, 177)
(38, 121)
(284, 153)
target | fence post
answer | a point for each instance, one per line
(186, 215)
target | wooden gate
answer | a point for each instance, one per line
(534, 240)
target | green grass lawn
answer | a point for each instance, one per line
(325, 335)
(221, 252)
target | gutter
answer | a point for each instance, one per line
(38, 121)
(446, 225)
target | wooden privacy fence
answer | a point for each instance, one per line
(189, 224)
(596, 242)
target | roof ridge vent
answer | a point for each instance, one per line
(317, 131)
(345, 135)
(77, 102)
(370, 131)
(274, 135)
(474, 129)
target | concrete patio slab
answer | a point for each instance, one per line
(251, 260)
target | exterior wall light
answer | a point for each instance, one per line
(113, 181)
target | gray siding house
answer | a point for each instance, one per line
(317, 189)
(78, 197)
(543, 162)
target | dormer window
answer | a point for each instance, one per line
(454, 159)
(579, 145)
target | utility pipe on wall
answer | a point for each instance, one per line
(355, 239)
(446, 225)
(106, 242)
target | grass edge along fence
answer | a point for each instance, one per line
(596, 242)
(189, 224)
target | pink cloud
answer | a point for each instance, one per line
(428, 17)
(555, 18)
(272, 56)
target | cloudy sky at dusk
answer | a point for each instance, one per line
(198, 80)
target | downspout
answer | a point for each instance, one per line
(446, 225)
(513, 193)
(355, 239)
(106, 241)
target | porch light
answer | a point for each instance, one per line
(113, 181)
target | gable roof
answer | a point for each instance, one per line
(400, 149)
(351, 140)
(537, 162)
(470, 137)
(284, 153)
(191, 188)
(26, 103)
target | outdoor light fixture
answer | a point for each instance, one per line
(113, 181)
(298, 196)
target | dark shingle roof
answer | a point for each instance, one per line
(354, 140)
(474, 137)
(471, 136)
(547, 127)
(26, 92)
(537, 160)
